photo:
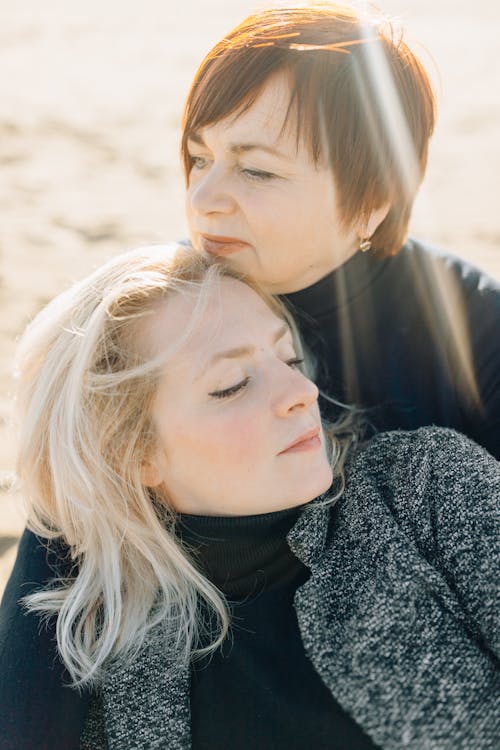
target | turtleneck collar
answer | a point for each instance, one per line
(244, 555)
(339, 287)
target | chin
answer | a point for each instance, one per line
(312, 491)
(321, 487)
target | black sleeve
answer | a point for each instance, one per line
(37, 708)
(482, 304)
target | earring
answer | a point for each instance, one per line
(365, 244)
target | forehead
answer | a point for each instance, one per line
(268, 119)
(231, 314)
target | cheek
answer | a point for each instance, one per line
(236, 438)
(297, 219)
(188, 209)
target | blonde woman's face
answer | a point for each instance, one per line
(238, 424)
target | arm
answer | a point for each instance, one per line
(37, 709)
(448, 502)
(481, 305)
(464, 502)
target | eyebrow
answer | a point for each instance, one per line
(241, 148)
(243, 351)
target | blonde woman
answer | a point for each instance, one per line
(227, 571)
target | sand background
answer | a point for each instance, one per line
(90, 106)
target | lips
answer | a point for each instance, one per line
(307, 441)
(221, 245)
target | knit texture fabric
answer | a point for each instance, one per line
(243, 555)
(399, 616)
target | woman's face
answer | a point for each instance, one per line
(238, 424)
(256, 196)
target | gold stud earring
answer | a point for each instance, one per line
(365, 244)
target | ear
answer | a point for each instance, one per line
(366, 227)
(150, 474)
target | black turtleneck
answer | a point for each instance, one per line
(394, 336)
(259, 691)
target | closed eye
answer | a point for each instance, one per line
(230, 391)
(258, 174)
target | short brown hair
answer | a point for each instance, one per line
(327, 52)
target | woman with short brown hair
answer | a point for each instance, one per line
(306, 133)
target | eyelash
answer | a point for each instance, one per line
(226, 392)
(259, 175)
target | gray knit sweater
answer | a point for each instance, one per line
(399, 616)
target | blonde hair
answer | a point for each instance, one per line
(85, 396)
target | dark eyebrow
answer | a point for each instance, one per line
(244, 351)
(196, 138)
(241, 148)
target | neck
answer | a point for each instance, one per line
(243, 555)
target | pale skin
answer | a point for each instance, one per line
(257, 197)
(238, 424)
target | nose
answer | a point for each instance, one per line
(295, 393)
(208, 192)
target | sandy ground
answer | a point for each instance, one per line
(91, 97)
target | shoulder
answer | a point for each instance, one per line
(435, 288)
(433, 480)
(424, 261)
(35, 701)
(27, 638)
(429, 454)
(38, 561)
(22, 632)
(424, 440)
